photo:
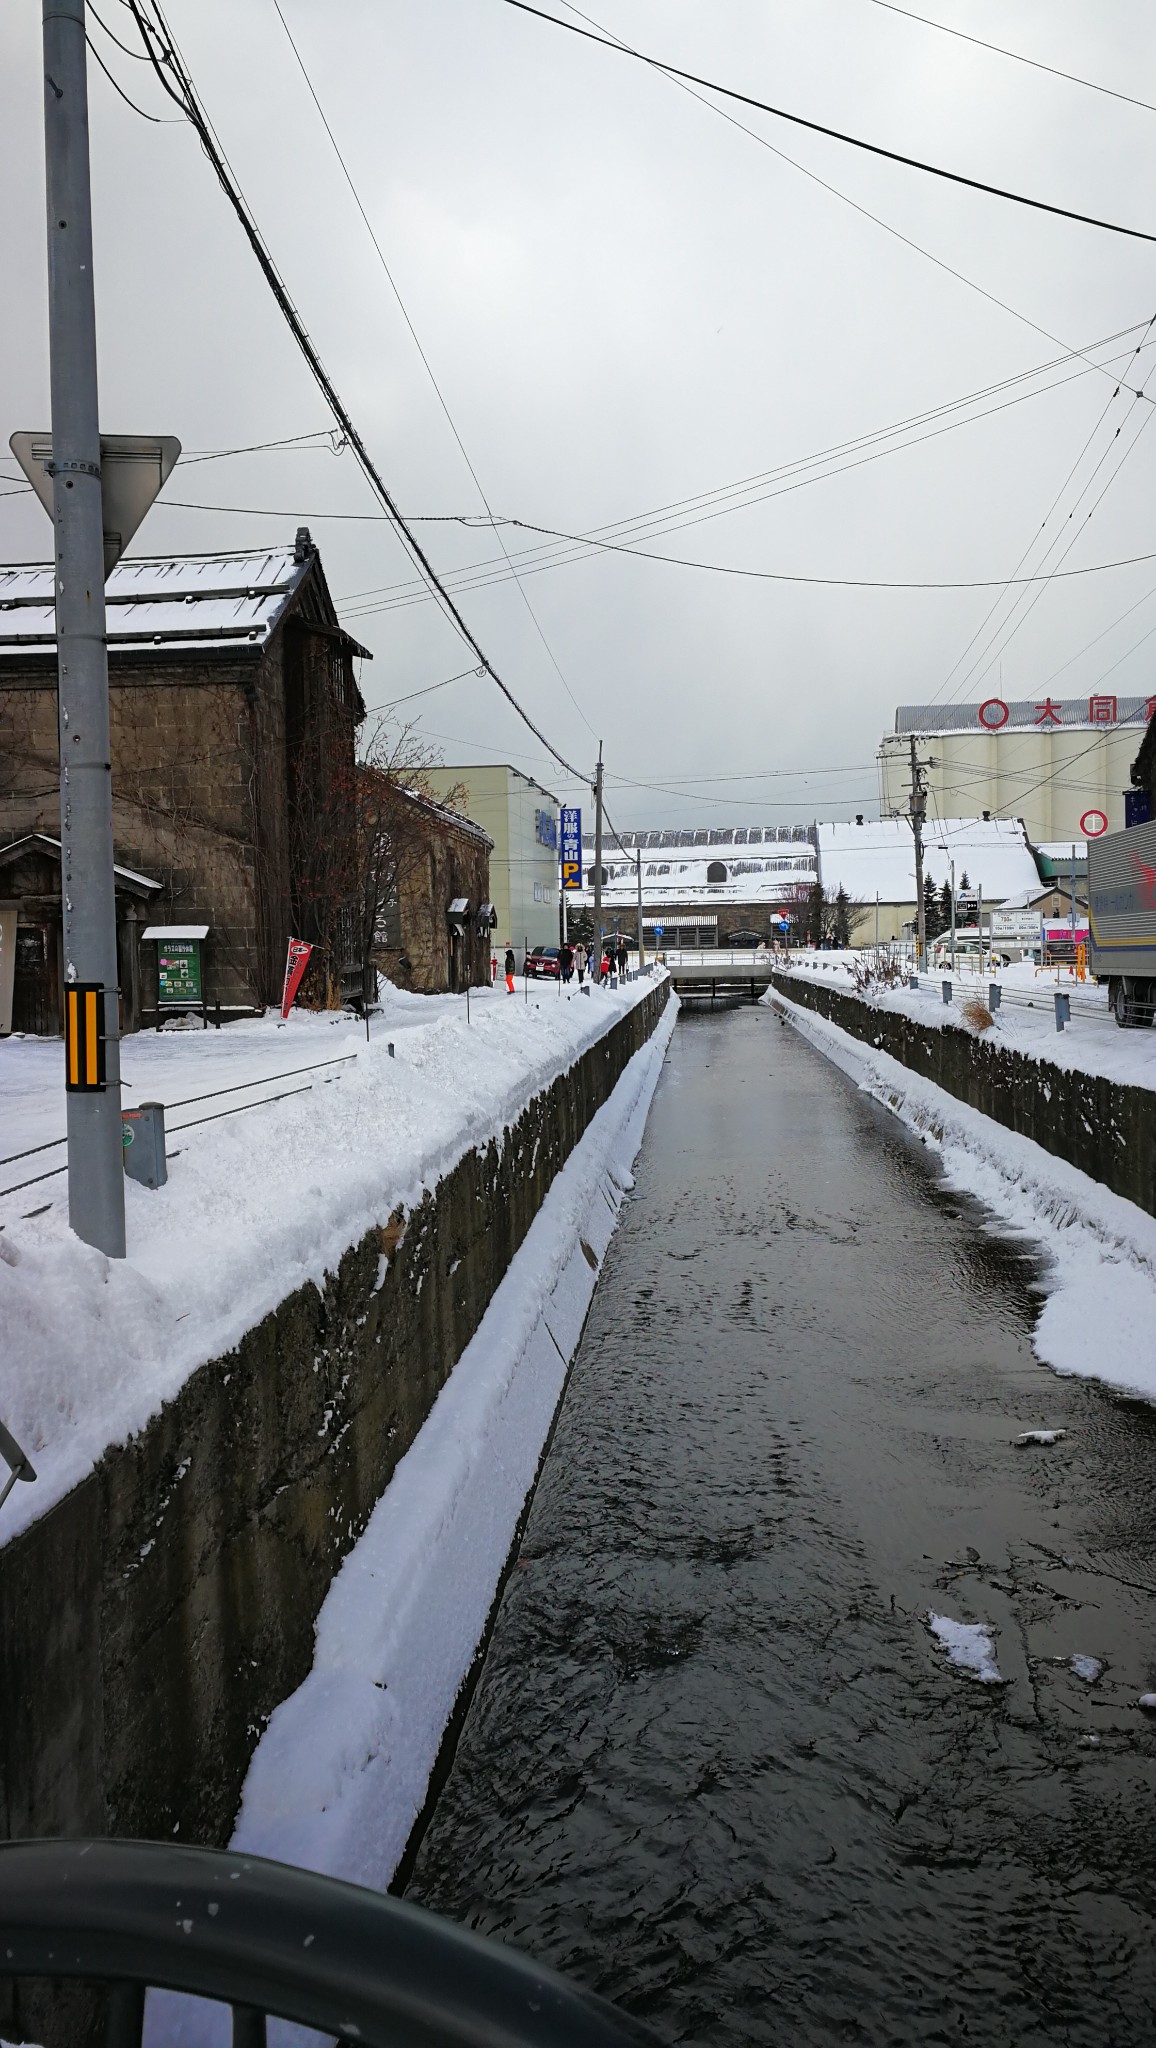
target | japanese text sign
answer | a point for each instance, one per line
(571, 847)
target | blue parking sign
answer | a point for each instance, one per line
(571, 847)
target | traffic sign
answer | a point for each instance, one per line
(133, 470)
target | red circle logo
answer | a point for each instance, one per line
(1093, 823)
(993, 714)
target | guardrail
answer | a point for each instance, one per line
(269, 1940)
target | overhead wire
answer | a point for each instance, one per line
(170, 69)
(380, 253)
(1017, 56)
(833, 134)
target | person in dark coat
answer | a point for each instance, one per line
(511, 967)
(566, 962)
(623, 956)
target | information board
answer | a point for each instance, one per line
(179, 973)
(571, 847)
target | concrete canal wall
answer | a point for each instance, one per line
(152, 1620)
(1106, 1128)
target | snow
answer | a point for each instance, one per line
(1025, 1020)
(1039, 1436)
(1099, 1271)
(1147, 1700)
(259, 1200)
(878, 857)
(970, 1646)
(340, 1774)
(174, 599)
(1087, 1668)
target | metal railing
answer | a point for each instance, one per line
(267, 1939)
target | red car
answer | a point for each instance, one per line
(543, 960)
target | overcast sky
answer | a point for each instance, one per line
(627, 301)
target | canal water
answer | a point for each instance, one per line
(715, 1764)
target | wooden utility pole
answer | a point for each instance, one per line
(596, 963)
(917, 814)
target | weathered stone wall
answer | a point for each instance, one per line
(1106, 1128)
(150, 1622)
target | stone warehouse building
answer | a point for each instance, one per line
(435, 928)
(234, 711)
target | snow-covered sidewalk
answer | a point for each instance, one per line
(1091, 1042)
(259, 1200)
(1099, 1275)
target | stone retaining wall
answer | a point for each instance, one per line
(1106, 1128)
(152, 1620)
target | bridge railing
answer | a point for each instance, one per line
(267, 1939)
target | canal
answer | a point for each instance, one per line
(715, 1764)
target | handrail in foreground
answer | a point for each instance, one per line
(269, 1939)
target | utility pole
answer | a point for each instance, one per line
(95, 1169)
(641, 950)
(596, 964)
(917, 815)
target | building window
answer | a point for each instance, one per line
(716, 871)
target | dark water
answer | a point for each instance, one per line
(715, 1766)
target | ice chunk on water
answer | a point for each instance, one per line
(1039, 1436)
(1086, 1667)
(970, 1645)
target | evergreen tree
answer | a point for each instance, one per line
(841, 922)
(945, 907)
(816, 914)
(931, 918)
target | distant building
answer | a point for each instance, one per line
(521, 819)
(234, 710)
(874, 862)
(1060, 765)
(699, 887)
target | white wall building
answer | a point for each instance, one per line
(1061, 765)
(522, 820)
(875, 862)
(699, 886)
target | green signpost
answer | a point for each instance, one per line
(179, 974)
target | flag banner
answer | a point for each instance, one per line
(296, 961)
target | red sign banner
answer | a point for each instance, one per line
(296, 961)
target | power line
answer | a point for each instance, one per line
(165, 58)
(1016, 56)
(380, 253)
(835, 134)
(825, 184)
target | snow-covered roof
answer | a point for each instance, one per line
(38, 840)
(175, 931)
(704, 841)
(182, 601)
(673, 874)
(878, 857)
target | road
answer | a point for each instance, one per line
(715, 1764)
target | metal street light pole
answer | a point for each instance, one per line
(596, 963)
(641, 950)
(95, 1170)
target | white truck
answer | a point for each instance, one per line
(1122, 921)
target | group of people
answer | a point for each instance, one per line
(575, 960)
(578, 959)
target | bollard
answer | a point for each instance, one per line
(946, 986)
(994, 996)
(914, 981)
(1063, 1009)
(142, 1133)
(614, 981)
(389, 1049)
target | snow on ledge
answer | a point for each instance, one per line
(257, 1204)
(1099, 1278)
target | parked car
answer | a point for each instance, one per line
(543, 960)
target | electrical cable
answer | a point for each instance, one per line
(158, 120)
(1016, 56)
(834, 134)
(184, 96)
(426, 363)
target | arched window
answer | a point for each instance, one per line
(716, 871)
(590, 877)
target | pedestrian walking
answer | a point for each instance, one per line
(623, 957)
(604, 971)
(511, 965)
(566, 962)
(580, 958)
